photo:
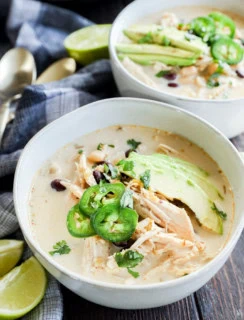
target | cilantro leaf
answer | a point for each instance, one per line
(133, 143)
(162, 73)
(145, 178)
(100, 146)
(111, 145)
(146, 39)
(113, 170)
(127, 199)
(129, 259)
(134, 274)
(60, 248)
(220, 213)
(80, 151)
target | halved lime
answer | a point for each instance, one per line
(22, 289)
(10, 253)
(88, 44)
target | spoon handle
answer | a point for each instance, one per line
(4, 117)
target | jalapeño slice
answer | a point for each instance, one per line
(203, 27)
(223, 24)
(227, 50)
(113, 223)
(100, 195)
(79, 224)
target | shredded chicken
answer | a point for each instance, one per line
(138, 72)
(164, 213)
(95, 254)
(73, 188)
(169, 19)
(84, 171)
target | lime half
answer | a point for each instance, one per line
(22, 289)
(10, 253)
(88, 44)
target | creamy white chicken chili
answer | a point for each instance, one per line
(131, 205)
(191, 51)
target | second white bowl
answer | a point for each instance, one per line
(226, 115)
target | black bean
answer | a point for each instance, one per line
(173, 85)
(240, 73)
(170, 76)
(55, 184)
(124, 244)
(98, 176)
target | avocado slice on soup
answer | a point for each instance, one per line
(181, 180)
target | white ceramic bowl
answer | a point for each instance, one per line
(139, 112)
(226, 115)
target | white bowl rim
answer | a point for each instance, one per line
(170, 283)
(163, 94)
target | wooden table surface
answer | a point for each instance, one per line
(221, 298)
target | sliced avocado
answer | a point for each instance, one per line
(178, 179)
(166, 36)
(154, 49)
(149, 59)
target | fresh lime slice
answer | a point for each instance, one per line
(10, 253)
(88, 44)
(22, 289)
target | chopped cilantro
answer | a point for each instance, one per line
(145, 179)
(80, 151)
(129, 259)
(134, 274)
(100, 146)
(60, 248)
(146, 39)
(162, 73)
(165, 41)
(133, 143)
(220, 213)
(127, 199)
(111, 145)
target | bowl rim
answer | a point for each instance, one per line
(167, 284)
(151, 90)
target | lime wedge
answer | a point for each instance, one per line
(88, 44)
(10, 253)
(22, 289)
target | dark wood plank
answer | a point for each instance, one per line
(223, 296)
(76, 308)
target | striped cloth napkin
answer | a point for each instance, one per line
(41, 28)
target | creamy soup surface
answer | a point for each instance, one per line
(167, 255)
(203, 79)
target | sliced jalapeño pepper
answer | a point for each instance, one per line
(223, 23)
(227, 50)
(78, 224)
(100, 195)
(203, 27)
(113, 223)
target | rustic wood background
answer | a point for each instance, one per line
(221, 298)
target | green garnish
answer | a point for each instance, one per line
(162, 73)
(133, 143)
(134, 274)
(111, 145)
(146, 39)
(222, 214)
(145, 178)
(60, 248)
(213, 81)
(190, 183)
(100, 146)
(127, 199)
(114, 171)
(165, 41)
(129, 259)
(80, 151)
